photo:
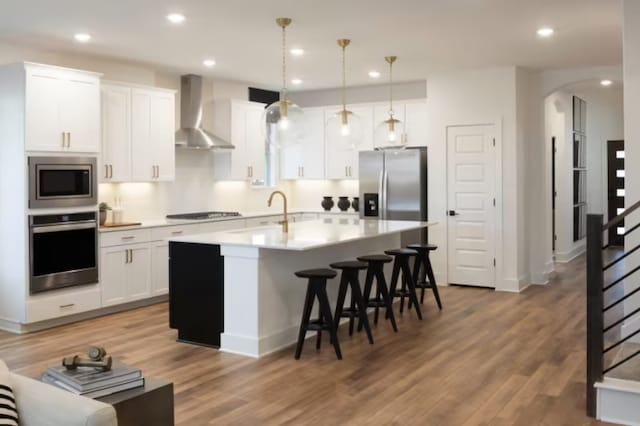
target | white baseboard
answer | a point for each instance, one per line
(511, 285)
(618, 401)
(19, 328)
(568, 256)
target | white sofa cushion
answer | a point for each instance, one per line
(40, 404)
(8, 409)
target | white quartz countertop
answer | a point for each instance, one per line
(305, 235)
(172, 222)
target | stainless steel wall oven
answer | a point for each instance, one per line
(62, 251)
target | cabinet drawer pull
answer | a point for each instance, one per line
(106, 171)
(68, 305)
(68, 139)
(64, 140)
(130, 237)
(177, 232)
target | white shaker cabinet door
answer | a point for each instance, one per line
(42, 110)
(113, 275)
(139, 272)
(162, 135)
(142, 156)
(160, 268)
(415, 126)
(116, 134)
(80, 114)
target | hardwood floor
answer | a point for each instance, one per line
(487, 359)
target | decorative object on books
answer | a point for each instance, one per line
(8, 408)
(327, 203)
(94, 382)
(97, 359)
(344, 203)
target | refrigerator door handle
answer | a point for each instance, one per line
(381, 195)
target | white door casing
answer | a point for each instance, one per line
(471, 194)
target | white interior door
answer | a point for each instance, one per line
(471, 198)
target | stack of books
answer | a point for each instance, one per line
(94, 383)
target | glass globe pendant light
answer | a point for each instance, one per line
(344, 128)
(283, 120)
(390, 133)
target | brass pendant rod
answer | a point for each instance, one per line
(284, 23)
(390, 60)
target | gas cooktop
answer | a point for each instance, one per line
(202, 215)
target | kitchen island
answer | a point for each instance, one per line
(262, 299)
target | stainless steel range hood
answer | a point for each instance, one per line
(191, 134)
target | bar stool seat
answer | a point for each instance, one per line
(382, 299)
(357, 307)
(317, 288)
(423, 272)
(408, 288)
(316, 273)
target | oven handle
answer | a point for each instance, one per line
(66, 227)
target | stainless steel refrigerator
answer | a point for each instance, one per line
(393, 186)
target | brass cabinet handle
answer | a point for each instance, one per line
(130, 237)
(106, 171)
(68, 305)
(111, 171)
(158, 172)
(64, 140)
(68, 139)
(131, 255)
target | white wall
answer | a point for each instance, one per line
(360, 94)
(631, 54)
(604, 123)
(469, 98)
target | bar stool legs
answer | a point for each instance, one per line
(382, 298)
(317, 288)
(401, 266)
(358, 307)
(423, 271)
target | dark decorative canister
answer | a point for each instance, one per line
(327, 203)
(355, 204)
(344, 203)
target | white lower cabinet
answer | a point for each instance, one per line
(126, 273)
(159, 268)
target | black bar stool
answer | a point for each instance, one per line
(375, 270)
(358, 307)
(422, 270)
(317, 288)
(408, 288)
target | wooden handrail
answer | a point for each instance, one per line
(616, 220)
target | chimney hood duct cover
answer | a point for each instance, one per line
(191, 134)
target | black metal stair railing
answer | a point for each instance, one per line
(597, 292)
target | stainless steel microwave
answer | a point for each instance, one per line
(62, 182)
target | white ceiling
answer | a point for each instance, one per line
(427, 35)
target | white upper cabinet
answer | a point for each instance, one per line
(306, 159)
(62, 109)
(415, 126)
(116, 133)
(413, 115)
(341, 161)
(240, 122)
(152, 135)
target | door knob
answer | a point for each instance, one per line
(453, 213)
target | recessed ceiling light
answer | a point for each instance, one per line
(545, 32)
(208, 63)
(374, 74)
(82, 37)
(606, 83)
(175, 18)
(297, 51)
(296, 81)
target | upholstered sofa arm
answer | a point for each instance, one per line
(40, 404)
